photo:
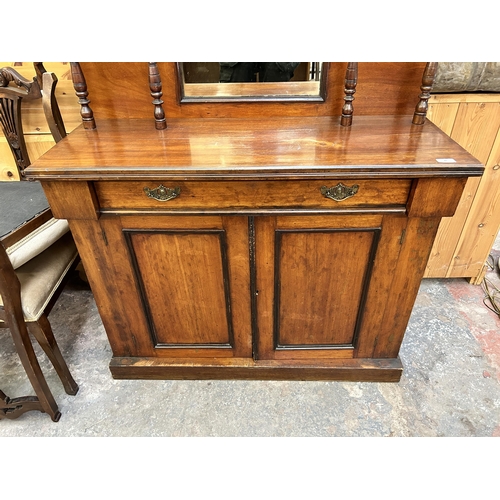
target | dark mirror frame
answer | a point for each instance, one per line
(257, 97)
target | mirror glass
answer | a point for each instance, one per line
(249, 81)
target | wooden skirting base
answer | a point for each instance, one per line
(359, 370)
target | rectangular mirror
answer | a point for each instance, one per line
(247, 82)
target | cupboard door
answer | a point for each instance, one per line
(312, 277)
(193, 276)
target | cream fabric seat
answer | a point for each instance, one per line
(26, 296)
(37, 241)
(41, 276)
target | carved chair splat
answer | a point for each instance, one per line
(42, 87)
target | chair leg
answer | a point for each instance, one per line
(33, 371)
(12, 315)
(42, 331)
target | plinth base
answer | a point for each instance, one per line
(360, 370)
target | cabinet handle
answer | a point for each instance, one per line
(339, 192)
(162, 193)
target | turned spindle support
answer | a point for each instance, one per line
(80, 86)
(351, 80)
(156, 93)
(426, 87)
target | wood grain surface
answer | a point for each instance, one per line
(120, 90)
(250, 272)
(113, 195)
(291, 147)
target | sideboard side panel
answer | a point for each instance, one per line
(408, 272)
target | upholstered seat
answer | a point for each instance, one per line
(41, 276)
(36, 242)
(27, 295)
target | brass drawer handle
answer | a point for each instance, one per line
(339, 192)
(162, 193)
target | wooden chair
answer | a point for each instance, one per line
(27, 294)
(37, 252)
(14, 89)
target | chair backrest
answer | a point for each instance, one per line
(14, 88)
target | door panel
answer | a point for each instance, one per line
(314, 284)
(318, 289)
(193, 279)
(184, 276)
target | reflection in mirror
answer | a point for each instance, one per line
(248, 81)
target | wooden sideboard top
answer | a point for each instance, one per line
(375, 146)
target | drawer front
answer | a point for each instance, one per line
(239, 195)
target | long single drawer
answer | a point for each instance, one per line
(213, 195)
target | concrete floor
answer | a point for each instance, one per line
(450, 385)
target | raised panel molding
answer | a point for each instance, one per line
(190, 266)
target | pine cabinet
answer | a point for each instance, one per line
(464, 241)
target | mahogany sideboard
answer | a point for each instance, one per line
(246, 247)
